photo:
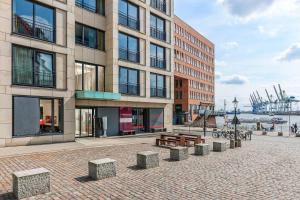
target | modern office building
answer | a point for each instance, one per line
(194, 73)
(67, 65)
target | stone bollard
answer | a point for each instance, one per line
(179, 153)
(201, 149)
(238, 143)
(102, 168)
(147, 159)
(232, 144)
(219, 146)
(30, 183)
(297, 134)
(280, 133)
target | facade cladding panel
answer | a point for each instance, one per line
(112, 115)
(194, 78)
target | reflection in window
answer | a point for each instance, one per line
(33, 19)
(96, 6)
(89, 77)
(128, 48)
(50, 115)
(128, 81)
(157, 58)
(89, 37)
(32, 67)
(157, 84)
(128, 14)
(157, 27)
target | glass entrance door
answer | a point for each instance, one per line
(138, 119)
(85, 122)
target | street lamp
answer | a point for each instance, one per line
(235, 104)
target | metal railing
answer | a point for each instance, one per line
(126, 54)
(129, 88)
(28, 27)
(129, 21)
(158, 92)
(159, 4)
(23, 76)
(158, 62)
(157, 33)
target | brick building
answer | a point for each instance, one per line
(194, 72)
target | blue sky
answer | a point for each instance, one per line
(257, 44)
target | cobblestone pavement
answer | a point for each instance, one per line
(265, 168)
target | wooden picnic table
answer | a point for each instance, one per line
(179, 140)
(197, 139)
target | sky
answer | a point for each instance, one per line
(257, 45)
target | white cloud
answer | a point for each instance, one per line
(230, 45)
(221, 63)
(291, 54)
(218, 75)
(270, 32)
(234, 80)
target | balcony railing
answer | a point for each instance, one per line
(158, 92)
(158, 34)
(158, 62)
(129, 88)
(86, 6)
(23, 76)
(128, 21)
(159, 4)
(28, 27)
(131, 56)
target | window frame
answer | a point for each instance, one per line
(156, 2)
(127, 16)
(97, 75)
(82, 5)
(128, 83)
(156, 88)
(155, 29)
(34, 67)
(33, 21)
(52, 116)
(83, 26)
(127, 48)
(158, 58)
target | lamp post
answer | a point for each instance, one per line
(235, 104)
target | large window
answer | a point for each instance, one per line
(157, 56)
(96, 6)
(129, 81)
(128, 48)
(157, 84)
(89, 77)
(33, 67)
(159, 4)
(37, 116)
(157, 27)
(128, 14)
(34, 20)
(89, 37)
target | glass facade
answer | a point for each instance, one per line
(89, 77)
(33, 67)
(157, 56)
(128, 48)
(128, 14)
(157, 27)
(96, 6)
(33, 20)
(37, 116)
(129, 81)
(89, 37)
(157, 84)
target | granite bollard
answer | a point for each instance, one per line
(102, 168)
(179, 153)
(30, 183)
(147, 159)
(201, 149)
(232, 144)
(219, 146)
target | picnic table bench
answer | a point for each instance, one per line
(194, 138)
(167, 139)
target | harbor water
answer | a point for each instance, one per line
(278, 127)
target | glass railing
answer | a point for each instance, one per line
(157, 33)
(129, 88)
(158, 62)
(159, 4)
(158, 92)
(131, 56)
(128, 21)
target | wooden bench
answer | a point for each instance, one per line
(128, 132)
(193, 138)
(168, 141)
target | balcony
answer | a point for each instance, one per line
(158, 92)
(132, 56)
(157, 33)
(128, 21)
(159, 4)
(158, 62)
(27, 77)
(129, 89)
(28, 27)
